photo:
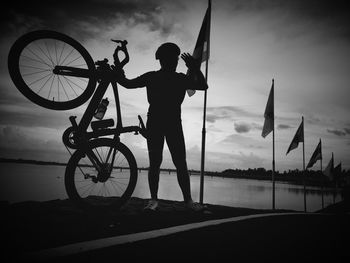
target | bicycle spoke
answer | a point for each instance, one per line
(44, 84)
(116, 190)
(52, 64)
(64, 45)
(73, 61)
(25, 66)
(33, 59)
(62, 63)
(89, 189)
(117, 185)
(48, 52)
(64, 90)
(73, 83)
(56, 52)
(38, 79)
(36, 72)
(54, 76)
(40, 59)
(70, 86)
(58, 89)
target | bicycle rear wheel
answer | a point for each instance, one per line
(32, 59)
(91, 188)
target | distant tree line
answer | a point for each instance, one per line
(311, 177)
(296, 176)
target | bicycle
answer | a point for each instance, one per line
(56, 72)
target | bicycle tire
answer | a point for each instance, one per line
(31, 61)
(81, 187)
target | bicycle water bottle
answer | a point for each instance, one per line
(101, 110)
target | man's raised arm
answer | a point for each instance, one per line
(194, 72)
(138, 82)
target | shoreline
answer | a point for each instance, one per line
(318, 182)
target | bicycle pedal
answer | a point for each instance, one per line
(102, 124)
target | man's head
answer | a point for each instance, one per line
(168, 56)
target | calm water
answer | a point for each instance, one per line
(24, 182)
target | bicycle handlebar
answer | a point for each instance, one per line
(123, 48)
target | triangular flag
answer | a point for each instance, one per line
(298, 137)
(202, 48)
(337, 172)
(329, 171)
(269, 114)
(317, 155)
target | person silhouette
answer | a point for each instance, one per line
(166, 91)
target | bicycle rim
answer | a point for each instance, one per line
(32, 59)
(81, 177)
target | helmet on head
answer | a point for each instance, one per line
(167, 50)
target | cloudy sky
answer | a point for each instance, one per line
(303, 45)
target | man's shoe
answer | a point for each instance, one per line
(151, 205)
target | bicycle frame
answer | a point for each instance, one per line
(103, 75)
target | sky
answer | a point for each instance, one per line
(303, 45)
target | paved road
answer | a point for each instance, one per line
(282, 238)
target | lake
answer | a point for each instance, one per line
(30, 182)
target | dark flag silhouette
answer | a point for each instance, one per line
(337, 172)
(269, 113)
(202, 49)
(317, 155)
(298, 137)
(329, 171)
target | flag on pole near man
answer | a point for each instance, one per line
(317, 155)
(202, 48)
(298, 137)
(269, 113)
(201, 54)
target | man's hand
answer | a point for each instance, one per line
(117, 73)
(190, 62)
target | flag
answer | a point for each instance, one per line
(269, 114)
(202, 50)
(298, 137)
(337, 172)
(317, 155)
(329, 171)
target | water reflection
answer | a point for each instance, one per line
(23, 182)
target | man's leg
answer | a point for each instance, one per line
(155, 143)
(176, 143)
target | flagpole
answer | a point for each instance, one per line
(335, 183)
(203, 138)
(273, 167)
(322, 185)
(201, 187)
(273, 156)
(323, 181)
(304, 166)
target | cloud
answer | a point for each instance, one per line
(242, 141)
(242, 127)
(90, 18)
(337, 132)
(334, 16)
(347, 130)
(283, 126)
(227, 113)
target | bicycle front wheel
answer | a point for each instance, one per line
(111, 184)
(32, 59)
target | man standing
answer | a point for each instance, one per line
(166, 91)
